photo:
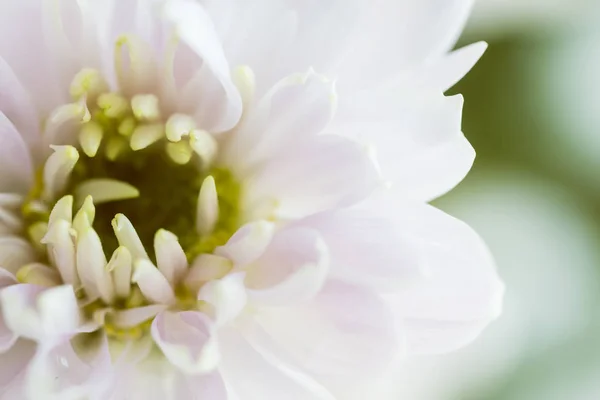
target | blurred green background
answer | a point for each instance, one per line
(532, 112)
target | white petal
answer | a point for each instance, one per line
(61, 250)
(121, 266)
(128, 237)
(325, 172)
(448, 70)
(57, 170)
(145, 135)
(292, 269)
(253, 375)
(91, 267)
(16, 167)
(170, 257)
(461, 293)
(248, 243)
(154, 286)
(62, 210)
(186, 339)
(206, 267)
(227, 296)
(195, 28)
(207, 213)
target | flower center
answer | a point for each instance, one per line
(123, 211)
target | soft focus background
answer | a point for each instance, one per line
(532, 112)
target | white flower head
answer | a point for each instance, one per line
(195, 197)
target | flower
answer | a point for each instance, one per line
(192, 205)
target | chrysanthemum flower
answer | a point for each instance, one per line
(227, 199)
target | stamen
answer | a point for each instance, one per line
(90, 138)
(180, 152)
(179, 125)
(145, 135)
(145, 107)
(36, 233)
(115, 147)
(113, 105)
(38, 274)
(127, 126)
(120, 266)
(106, 190)
(207, 213)
(57, 170)
(89, 83)
(245, 81)
(205, 145)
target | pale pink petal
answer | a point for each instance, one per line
(12, 366)
(200, 387)
(293, 268)
(154, 286)
(417, 139)
(67, 371)
(39, 313)
(195, 28)
(344, 331)
(7, 336)
(132, 317)
(16, 165)
(295, 109)
(460, 293)
(247, 243)
(227, 296)
(251, 375)
(16, 104)
(367, 248)
(187, 340)
(170, 257)
(325, 172)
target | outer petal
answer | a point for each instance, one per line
(186, 340)
(298, 107)
(16, 166)
(460, 294)
(196, 29)
(62, 372)
(16, 104)
(38, 313)
(417, 139)
(12, 367)
(7, 336)
(325, 172)
(293, 269)
(351, 333)
(250, 375)
(367, 248)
